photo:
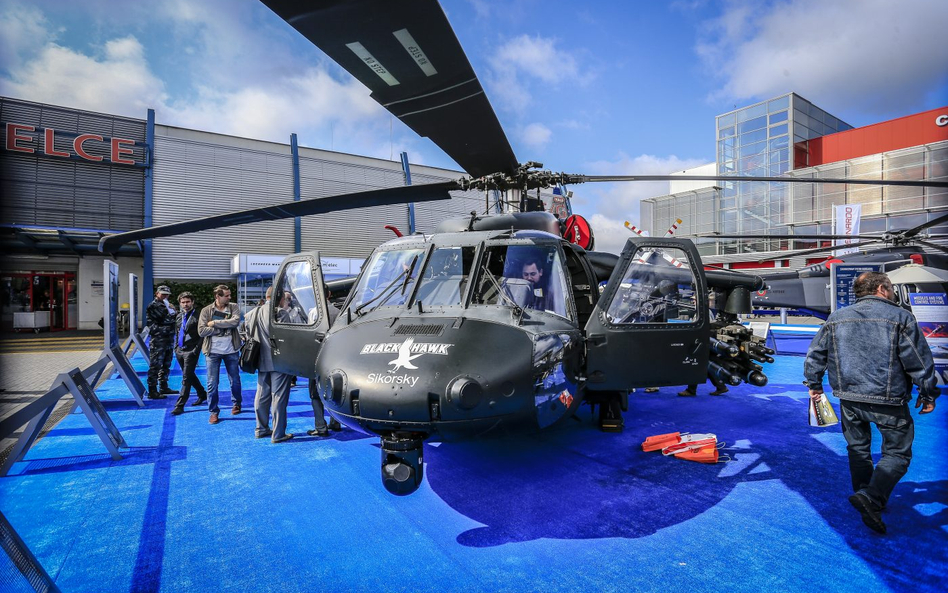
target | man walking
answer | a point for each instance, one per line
(160, 316)
(187, 344)
(273, 387)
(218, 324)
(874, 351)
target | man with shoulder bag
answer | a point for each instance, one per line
(273, 387)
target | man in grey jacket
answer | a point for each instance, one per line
(874, 351)
(273, 387)
(218, 324)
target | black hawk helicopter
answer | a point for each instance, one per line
(491, 324)
(808, 289)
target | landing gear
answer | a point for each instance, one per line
(611, 406)
(402, 464)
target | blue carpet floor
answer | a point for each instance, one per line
(195, 507)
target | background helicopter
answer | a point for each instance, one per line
(808, 290)
(493, 323)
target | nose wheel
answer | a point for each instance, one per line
(402, 464)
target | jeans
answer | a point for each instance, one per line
(213, 378)
(898, 431)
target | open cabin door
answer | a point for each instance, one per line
(651, 325)
(298, 314)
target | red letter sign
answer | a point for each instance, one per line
(13, 137)
(117, 151)
(49, 146)
(77, 145)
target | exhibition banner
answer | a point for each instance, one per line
(848, 217)
(842, 277)
(931, 311)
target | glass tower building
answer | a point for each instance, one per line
(786, 135)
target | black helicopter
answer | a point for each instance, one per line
(808, 290)
(491, 324)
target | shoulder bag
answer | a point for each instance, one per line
(250, 351)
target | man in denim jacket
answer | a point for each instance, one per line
(874, 351)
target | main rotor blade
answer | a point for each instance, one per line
(932, 245)
(817, 250)
(375, 197)
(914, 231)
(406, 53)
(773, 236)
(599, 178)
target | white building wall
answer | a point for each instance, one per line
(682, 186)
(91, 289)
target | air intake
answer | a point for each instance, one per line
(419, 330)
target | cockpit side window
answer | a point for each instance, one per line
(658, 287)
(445, 277)
(530, 276)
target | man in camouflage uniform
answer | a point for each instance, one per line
(160, 317)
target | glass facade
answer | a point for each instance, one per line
(768, 139)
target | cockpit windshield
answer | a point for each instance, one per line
(525, 276)
(388, 280)
(444, 279)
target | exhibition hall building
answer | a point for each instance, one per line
(71, 176)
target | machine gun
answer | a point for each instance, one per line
(735, 350)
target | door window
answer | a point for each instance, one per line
(658, 287)
(294, 300)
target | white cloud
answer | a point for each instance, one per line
(524, 60)
(116, 81)
(536, 135)
(611, 204)
(878, 54)
(21, 28)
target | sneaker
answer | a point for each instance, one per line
(177, 411)
(235, 410)
(720, 391)
(318, 432)
(687, 393)
(263, 435)
(284, 438)
(215, 418)
(869, 511)
(334, 425)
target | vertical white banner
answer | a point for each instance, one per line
(847, 223)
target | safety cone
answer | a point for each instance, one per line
(660, 441)
(708, 454)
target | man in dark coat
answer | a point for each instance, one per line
(160, 317)
(187, 345)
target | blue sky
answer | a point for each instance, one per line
(599, 87)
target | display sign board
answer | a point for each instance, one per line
(98, 417)
(842, 277)
(133, 304)
(931, 311)
(110, 277)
